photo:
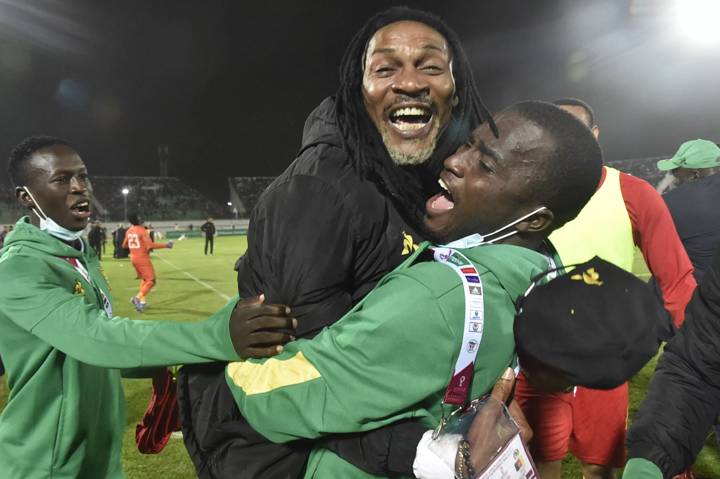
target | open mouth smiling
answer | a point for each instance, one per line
(408, 119)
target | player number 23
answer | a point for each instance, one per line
(133, 241)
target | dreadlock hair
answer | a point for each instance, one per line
(581, 104)
(22, 152)
(407, 186)
(569, 170)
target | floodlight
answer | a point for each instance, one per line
(697, 20)
(125, 192)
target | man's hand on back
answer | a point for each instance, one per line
(259, 330)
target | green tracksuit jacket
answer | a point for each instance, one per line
(391, 357)
(65, 415)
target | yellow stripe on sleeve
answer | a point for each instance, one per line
(255, 378)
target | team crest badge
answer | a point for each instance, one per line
(408, 244)
(589, 277)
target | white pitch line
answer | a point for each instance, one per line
(198, 280)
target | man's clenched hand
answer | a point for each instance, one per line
(259, 330)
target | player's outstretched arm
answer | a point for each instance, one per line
(67, 321)
(150, 245)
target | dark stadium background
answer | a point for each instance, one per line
(227, 84)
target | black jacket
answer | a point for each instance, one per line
(95, 236)
(208, 228)
(694, 210)
(319, 239)
(683, 400)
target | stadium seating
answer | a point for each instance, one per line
(156, 198)
(245, 191)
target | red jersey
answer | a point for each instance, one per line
(655, 234)
(137, 240)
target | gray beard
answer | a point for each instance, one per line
(414, 158)
(417, 157)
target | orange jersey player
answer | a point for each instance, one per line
(137, 240)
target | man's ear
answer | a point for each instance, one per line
(540, 221)
(23, 197)
(595, 131)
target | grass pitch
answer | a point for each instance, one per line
(191, 286)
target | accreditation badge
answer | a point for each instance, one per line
(512, 462)
(497, 448)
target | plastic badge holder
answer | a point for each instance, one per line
(501, 453)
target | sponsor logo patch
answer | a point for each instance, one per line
(408, 244)
(589, 277)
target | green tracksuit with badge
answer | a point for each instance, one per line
(390, 358)
(63, 352)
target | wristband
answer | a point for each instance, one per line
(463, 466)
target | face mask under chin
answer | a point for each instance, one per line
(49, 225)
(477, 239)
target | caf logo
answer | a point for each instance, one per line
(472, 346)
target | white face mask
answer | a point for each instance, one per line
(477, 239)
(48, 225)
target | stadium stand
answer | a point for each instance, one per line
(156, 198)
(245, 191)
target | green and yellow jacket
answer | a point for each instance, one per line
(63, 354)
(390, 358)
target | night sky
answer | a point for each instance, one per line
(227, 85)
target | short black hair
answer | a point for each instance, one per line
(581, 104)
(23, 151)
(571, 167)
(134, 218)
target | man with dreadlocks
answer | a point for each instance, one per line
(346, 212)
